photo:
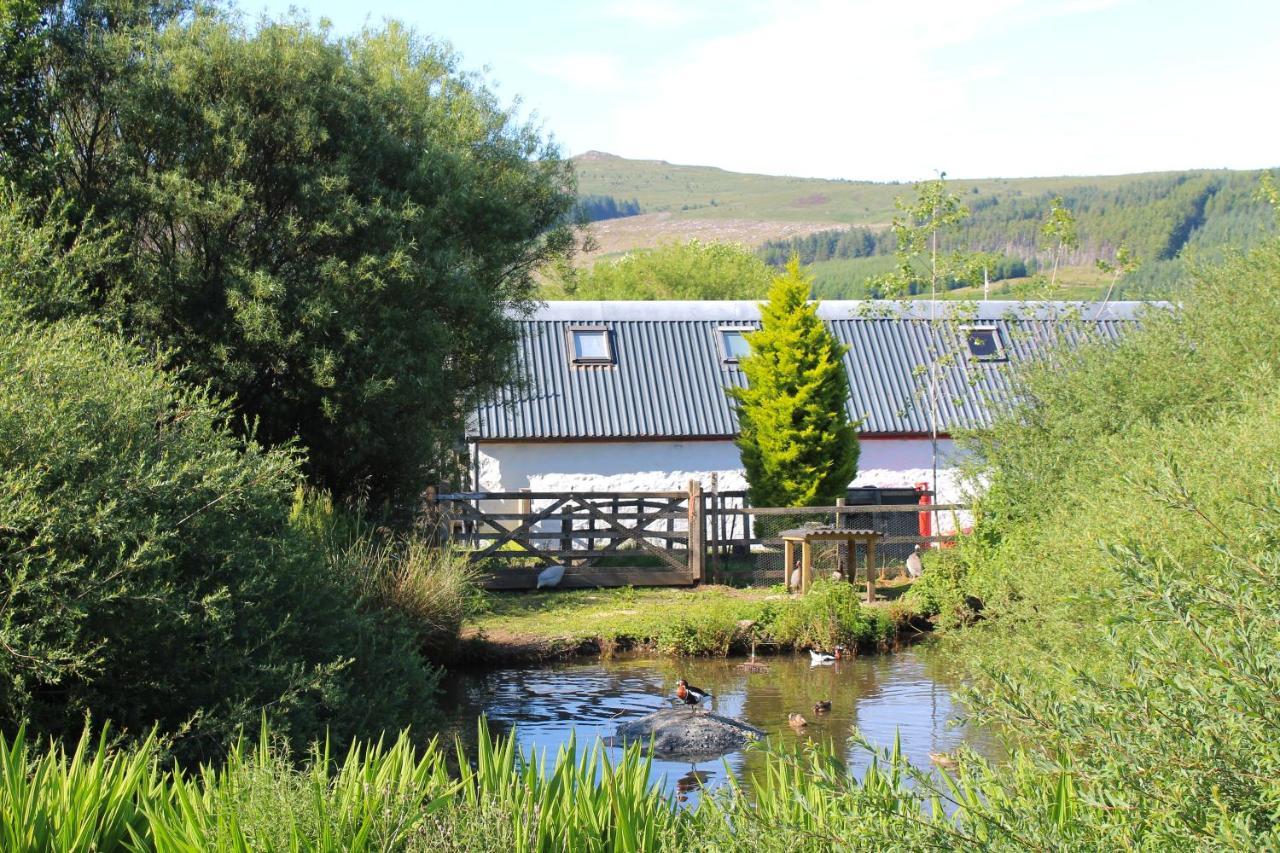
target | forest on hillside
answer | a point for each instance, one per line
(1167, 221)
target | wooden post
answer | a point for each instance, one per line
(806, 565)
(715, 533)
(697, 536)
(843, 549)
(566, 534)
(788, 561)
(871, 571)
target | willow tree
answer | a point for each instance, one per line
(798, 446)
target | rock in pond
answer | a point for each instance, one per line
(679, 733)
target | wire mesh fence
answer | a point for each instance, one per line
(746, 548)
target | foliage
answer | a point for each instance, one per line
(828, 615)
(45, 267)
(152, 576)
(692, 270)
(330, 232)
(920, 231)
(797, 443)
(709, 621)
(941, 591)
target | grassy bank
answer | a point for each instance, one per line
(707, 620)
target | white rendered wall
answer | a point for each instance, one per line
(661, 466)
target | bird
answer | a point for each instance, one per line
(824, 658)
(837, 576)
(915, 568)
(550, 576)
(796, 721)
(942, 759)
(690, 695)
(822, 706)
(795, 578)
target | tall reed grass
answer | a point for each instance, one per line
(396, 796)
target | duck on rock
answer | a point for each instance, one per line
(690, 695)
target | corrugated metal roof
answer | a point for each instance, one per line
(669, 376)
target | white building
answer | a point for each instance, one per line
(630, 396)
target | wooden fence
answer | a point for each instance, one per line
(649, 538)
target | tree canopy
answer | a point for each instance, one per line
(330, 232)
(692, 270)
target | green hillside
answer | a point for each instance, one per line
(1166, 218)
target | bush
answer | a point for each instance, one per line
(152, 575)
(830, 614)
(941, 590)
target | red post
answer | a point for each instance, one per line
(926, 523)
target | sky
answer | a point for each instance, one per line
(885, 90)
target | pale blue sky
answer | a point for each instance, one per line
(888, 90)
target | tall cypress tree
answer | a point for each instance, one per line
(798, 445)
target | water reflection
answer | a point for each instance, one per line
(908, 693)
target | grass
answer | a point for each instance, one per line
(707, 620)
(396, 796)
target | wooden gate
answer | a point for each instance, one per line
(602, 538)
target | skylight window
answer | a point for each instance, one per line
(590, 345)
(733, 344)
(984, 343)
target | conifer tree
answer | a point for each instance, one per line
(798, 445)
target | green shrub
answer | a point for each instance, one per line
(152, 575)
(708, 632)
(941, 591)
(830, 614)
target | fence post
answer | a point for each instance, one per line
(843, 548)
(715, 532)
(697, 535)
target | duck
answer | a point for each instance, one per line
(942, 760)
(822, 706)
(817, 658)
(915, 568)
(796, 721)
(550, 576)
(690, 695)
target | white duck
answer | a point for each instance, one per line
(550, 576)
(817, 658)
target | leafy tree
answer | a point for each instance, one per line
(1060, 226)
(332, 233)
(797, 443)
(692, 270)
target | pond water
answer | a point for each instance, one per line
(906, 693)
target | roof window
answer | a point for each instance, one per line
(590, 345)
(984, 343)
(733, 344)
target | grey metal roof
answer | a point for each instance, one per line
(669, 377)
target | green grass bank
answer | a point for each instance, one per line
(708, 620)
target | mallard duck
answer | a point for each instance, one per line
(822, 706)
(796, 721)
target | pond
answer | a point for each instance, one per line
(906, 693)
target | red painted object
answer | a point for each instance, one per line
(926, 518)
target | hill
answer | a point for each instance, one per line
(1165, 217)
